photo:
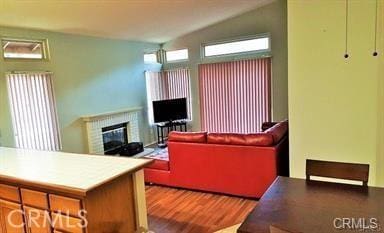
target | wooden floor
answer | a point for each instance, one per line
(181, 211)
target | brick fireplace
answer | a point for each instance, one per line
(96, 123)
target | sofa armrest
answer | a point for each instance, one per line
(267, 125)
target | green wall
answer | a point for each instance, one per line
(335, 104)
(91, 76)
(271, 18)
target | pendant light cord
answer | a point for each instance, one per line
(376, 18)
(346, 55)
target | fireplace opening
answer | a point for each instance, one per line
(114, 138)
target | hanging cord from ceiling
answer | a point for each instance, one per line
(375, 53)
(346, 55)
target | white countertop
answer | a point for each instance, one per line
(74, 171)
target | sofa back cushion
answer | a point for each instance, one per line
(193, 137)
(257, 139)
(278, 131)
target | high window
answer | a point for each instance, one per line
(150, 58)
(177, 55)
(24, 49)
(33, 109)
(250, 45)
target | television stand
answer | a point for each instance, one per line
(169, 126)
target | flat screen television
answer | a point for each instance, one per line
(170, 110)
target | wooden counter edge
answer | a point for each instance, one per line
(62, 189)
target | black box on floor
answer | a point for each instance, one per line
(132, 149)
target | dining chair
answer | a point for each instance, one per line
(338, 170)
(274, 229)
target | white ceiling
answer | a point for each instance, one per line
(144, 20)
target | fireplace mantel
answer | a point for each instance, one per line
(101, 116)
(95, 124)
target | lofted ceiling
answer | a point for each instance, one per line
(144, 20)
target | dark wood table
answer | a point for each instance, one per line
(298, 205)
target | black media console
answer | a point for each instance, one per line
(169, 126)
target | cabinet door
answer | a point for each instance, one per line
(37, 221)
(11, 217)
(66, 223)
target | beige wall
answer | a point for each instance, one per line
(267, 19)
(335, 105)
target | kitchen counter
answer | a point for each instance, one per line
(75, 172)
(99, 184)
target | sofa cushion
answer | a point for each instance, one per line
(159, 164)
(257, 139)
(196, 137)
(278, 131)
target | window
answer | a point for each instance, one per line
(235, 96)
(177, 55)
(24, 49)
(254, 45)
(150, 58)
(33, 108)
(168, 84)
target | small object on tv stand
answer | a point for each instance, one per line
(132, 149)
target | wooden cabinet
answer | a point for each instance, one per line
(67, 223)
(38, 212)
(9, 193)
(35, 199)
(110, 207)
(11, 217)
(65, 205)
(37, 221)
(109, 191)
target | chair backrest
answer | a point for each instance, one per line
(274, 229)
(346, 171)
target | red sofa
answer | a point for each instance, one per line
(236, 164)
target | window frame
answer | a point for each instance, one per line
(237, 39)
(176, 61)
(44, 43)
(151, 53)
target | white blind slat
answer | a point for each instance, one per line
(34, 114)
(168, 84)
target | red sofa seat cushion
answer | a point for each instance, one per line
(159, 165)
(278, 131)
(195, 137)
(258, 139)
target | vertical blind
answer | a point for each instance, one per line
(235, 96)
(168, 84)
(33, 109)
